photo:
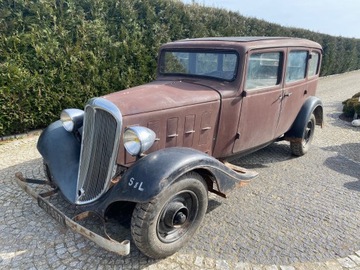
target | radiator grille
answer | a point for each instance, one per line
(98, 151)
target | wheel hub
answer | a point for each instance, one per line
(176, 215)
(308, 132)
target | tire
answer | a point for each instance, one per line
(164, 225)
(300, 148)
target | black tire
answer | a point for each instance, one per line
(300, 148)
(164, 225)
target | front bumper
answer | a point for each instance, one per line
(107, 243)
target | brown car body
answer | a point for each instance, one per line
(160, 147)
(220, 118)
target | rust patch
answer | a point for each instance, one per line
(243, 183)
(240, 170)
(81, 216)
(115, 180)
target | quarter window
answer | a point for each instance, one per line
(263, 70)
(296, 66)
(313, 64)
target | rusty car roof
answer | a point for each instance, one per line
(247, 43)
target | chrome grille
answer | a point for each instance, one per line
(101, 134)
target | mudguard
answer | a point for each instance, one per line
(61, 152)
(144, 180)
(311, 105)
(150, 175)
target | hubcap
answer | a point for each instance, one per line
(177, 216)
(308, 132)
(180, 218)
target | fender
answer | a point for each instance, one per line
(153, 173)
(61, 152)
(311, 105)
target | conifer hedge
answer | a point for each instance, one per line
(56, 54)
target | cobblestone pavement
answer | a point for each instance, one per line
(300, 213)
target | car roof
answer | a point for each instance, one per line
(247, 43)
(234, 39)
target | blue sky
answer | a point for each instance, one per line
(333, 17)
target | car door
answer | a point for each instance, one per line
(297, 87)
(261, 103)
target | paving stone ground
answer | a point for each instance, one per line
(300, 213)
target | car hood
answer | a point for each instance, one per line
(160, 95)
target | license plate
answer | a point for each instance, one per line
(55, 213)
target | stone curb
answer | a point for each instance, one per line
(21, 136)
(351, 262)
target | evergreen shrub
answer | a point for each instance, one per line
(58, 54)
(352, 106)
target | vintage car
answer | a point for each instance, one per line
(163, 146)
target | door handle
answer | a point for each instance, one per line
(281, 97)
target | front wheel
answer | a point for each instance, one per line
(162, 226)
(300, 148)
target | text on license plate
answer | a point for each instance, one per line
(55, 213)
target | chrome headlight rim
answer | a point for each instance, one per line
(72, 119)
(138, 139)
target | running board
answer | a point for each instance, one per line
(241, 170)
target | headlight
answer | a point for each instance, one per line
(138, 140)
(72, 119)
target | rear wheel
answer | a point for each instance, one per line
(162, 226)
(301, 147)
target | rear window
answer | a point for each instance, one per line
(214, 64)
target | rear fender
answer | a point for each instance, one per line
(149, 176)
(311, 105)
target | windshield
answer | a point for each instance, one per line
(215, 64)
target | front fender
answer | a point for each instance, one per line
(61, 152)
(311, 105)
(150, 175)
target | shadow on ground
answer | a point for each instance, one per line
(263, 158)
(346, 162)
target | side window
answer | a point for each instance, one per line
(296, 66)
(313, 64)
(263, 70)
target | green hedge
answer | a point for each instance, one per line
(56, 54)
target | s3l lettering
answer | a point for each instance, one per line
(136, 185)
(163, 146)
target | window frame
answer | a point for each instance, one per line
(279, 78)
(200, 51)
(291, 50)
(317, 67)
